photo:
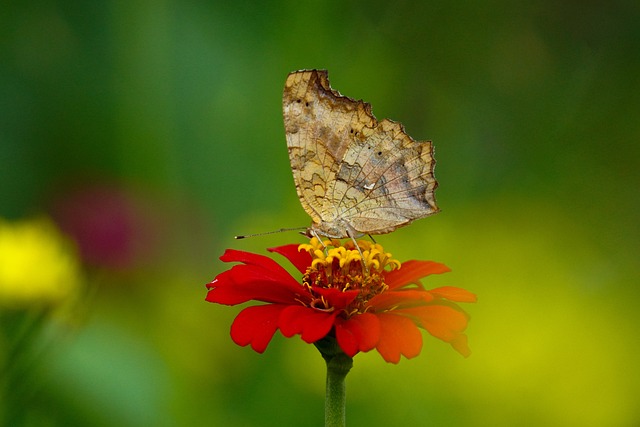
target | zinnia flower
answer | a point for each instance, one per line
(365, 299)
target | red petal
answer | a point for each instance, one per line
(358, 333)
(442, 321)
(300, 259)
(310, 323)
(335, 297)
(263, 262)
(256, 325)
(412, 271)
(402, 298)
(242, 283)
(398, 336)
(292, 319)
(454, 294)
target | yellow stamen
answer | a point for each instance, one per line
(323, 253)
(344, 267)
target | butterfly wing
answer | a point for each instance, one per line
(390, 180)
(319, 126)
(350, 170)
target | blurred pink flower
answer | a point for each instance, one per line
(112, 226)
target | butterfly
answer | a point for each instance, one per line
(354, 175)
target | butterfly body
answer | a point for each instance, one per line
(353, 174)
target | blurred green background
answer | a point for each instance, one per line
(152, 132)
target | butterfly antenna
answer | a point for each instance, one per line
(244, 236)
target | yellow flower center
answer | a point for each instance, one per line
(344, 267)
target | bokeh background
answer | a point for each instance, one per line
(151, 133)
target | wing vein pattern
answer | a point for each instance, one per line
(353, 173)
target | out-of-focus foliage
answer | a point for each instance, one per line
(152, 133)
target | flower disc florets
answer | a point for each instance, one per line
(344, 267)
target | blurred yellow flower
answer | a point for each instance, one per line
(38, 265)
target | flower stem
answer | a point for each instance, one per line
(338, 366)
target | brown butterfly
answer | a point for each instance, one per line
(353, 174)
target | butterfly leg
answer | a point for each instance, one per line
(315, 234)
(352, 236)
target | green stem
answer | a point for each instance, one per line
(338, 366)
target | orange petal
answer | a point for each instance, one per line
(398, 336)
(412, 271)
(460, 345)
(442, 321)
(401, 298)
(454, 294)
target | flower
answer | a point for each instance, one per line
(361, 296)
(114, 227)
(38, 265)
